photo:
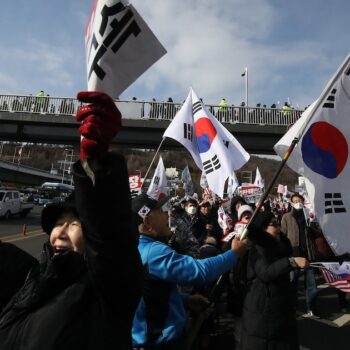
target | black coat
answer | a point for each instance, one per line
(14, 267)
(85, 302)
(200, 231)
(269, 307)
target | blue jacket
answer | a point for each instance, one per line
(163, 263)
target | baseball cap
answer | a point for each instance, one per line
(143, 204)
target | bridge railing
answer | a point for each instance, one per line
(67, 106)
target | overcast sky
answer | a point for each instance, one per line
(291, 48)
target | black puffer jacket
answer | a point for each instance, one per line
(269, 307)
(83, 302)
(14, 267)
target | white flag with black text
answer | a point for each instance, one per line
(119, 46)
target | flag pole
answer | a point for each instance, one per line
(262, 200)
(192, 336)
(149, 168)
(320, 100)
(214, 291)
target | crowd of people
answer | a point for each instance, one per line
(146, 273)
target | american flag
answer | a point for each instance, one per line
(335, 275)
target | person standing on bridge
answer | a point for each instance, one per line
(85, 292)
(223, 110)
(39, 101)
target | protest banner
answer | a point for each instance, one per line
(135, 183)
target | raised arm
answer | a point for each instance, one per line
(103, 202)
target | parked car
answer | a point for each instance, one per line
(43, 200)
(11, 204)
(55, 200)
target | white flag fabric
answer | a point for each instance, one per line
(181, 129)
(232, 184)
(119, 47)
(321, 156)
(212, 146)
(258, 179)
(203, 180)
(187, 181)
(158, 188)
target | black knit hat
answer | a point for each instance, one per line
(53, 211)
(263, 219)
(234, 201)
(144, 204)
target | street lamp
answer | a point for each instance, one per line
(245, 74)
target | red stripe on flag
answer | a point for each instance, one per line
(334, 280)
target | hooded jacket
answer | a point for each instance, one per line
(85, 302)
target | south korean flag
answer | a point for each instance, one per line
(143, 212)
(219, 151)
(322, 157)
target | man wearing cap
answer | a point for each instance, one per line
(85, 291)
(161, 317)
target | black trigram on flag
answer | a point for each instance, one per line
(211, 165)
(188, 131)
(347, 72)
(333, 203)
(156, 180)
(196, 107)
(330, 100)
(226, 143)
(119, 32)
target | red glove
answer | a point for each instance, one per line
(101, 121)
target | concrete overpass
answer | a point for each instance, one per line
(51, 120)
(15, 173)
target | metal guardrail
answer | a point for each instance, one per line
(67, 106)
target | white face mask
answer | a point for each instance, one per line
(191, 210)
(298, 206)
